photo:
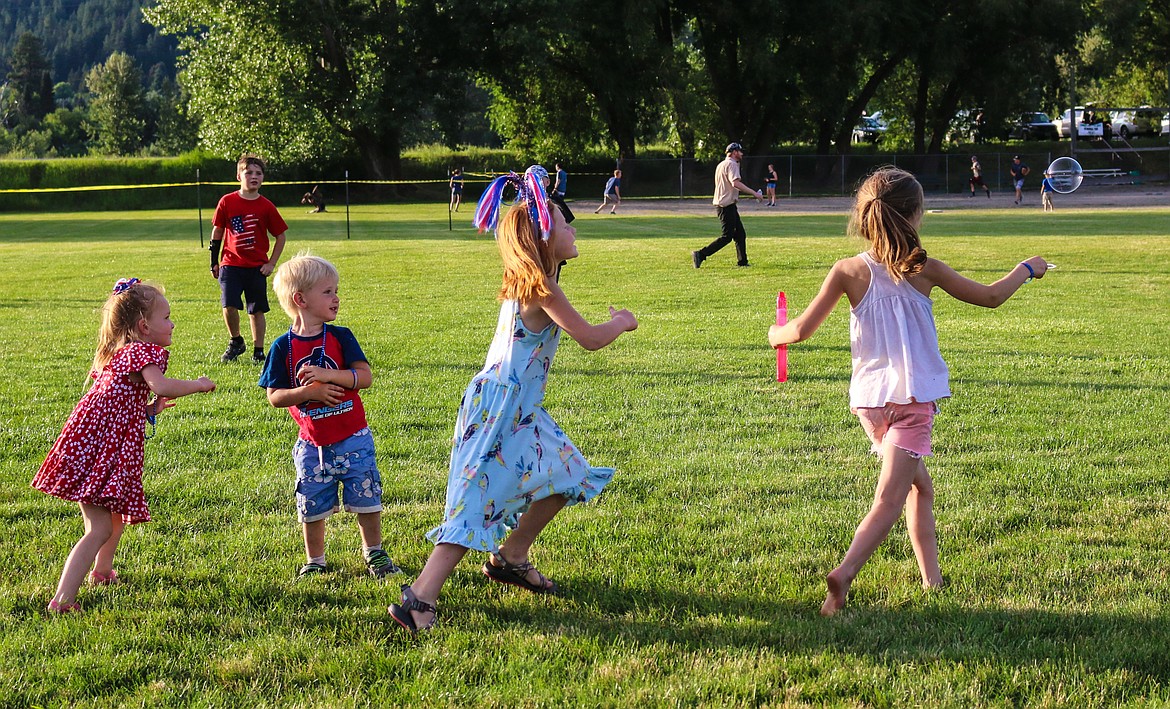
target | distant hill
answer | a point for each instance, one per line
(81, 33)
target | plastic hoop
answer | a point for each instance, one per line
(1066, 175)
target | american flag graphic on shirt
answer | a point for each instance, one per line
(244, 227)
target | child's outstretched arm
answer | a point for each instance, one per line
(994, 295)
(803, 326)
(591, 337)
(167, 388)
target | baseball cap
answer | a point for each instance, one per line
(733, 146)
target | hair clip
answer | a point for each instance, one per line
(125, 284)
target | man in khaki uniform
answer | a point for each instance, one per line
(728, 185)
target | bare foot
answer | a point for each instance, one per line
(838, 590)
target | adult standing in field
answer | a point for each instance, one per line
(242, 222)
(728, 185)
(561, 188)
(770, 180)
(456, 185)
(1019, 170)
(557, 196)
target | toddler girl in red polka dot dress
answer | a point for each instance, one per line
(97, 460)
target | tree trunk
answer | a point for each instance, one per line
(381, 154)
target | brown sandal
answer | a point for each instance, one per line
(517, 575)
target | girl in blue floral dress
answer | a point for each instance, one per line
(512, 468)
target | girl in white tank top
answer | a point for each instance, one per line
(898, 371)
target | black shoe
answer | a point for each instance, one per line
(312, 569)
(697, 258)
(234, 350)
(258, 355)
(744, 264)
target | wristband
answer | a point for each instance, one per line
(214, 248)
(1031, 273)
(354, 373)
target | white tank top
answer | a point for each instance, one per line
(894, 345)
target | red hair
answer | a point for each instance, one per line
(528, 262)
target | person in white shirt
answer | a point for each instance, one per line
(728, 185)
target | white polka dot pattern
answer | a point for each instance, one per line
(97, 459)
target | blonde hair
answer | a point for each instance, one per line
(297, 275)
(528, 260)
(887, 204)
(121, 314)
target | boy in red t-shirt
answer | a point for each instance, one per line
(242, 223)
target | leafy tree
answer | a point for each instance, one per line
(30, 81)
(68, 135)
(747, 53)
(171, 130)
(116, 111)
(79, 34)
(301, 80)
(561, 80)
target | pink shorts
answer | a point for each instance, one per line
(907, 426)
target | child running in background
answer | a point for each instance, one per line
(315, 371)
(97, 460)
(1046, 190)
(612, 193)
(512, 468)
(898, 372)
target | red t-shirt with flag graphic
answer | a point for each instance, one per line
(246, 224)
(320, 423)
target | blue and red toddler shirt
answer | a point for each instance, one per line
(335, 348)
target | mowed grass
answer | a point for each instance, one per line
(696, 578)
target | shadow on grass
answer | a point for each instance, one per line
(1101, 642)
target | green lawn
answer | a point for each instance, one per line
(696, 578)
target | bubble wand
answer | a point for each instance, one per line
(782, 350)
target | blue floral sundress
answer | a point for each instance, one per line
(507, 452)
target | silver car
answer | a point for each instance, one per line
(1124, 124)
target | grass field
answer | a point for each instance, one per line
(696, 578)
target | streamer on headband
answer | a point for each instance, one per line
(529, 189)
(534, 178)
(125, 284)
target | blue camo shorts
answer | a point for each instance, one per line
(349, 464)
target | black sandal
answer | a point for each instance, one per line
(517, 575)
(401, 613)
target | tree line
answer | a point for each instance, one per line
(305, 81)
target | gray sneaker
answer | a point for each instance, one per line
(380, 564)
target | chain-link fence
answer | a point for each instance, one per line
(812, 175)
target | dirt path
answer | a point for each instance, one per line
(1087, 197)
